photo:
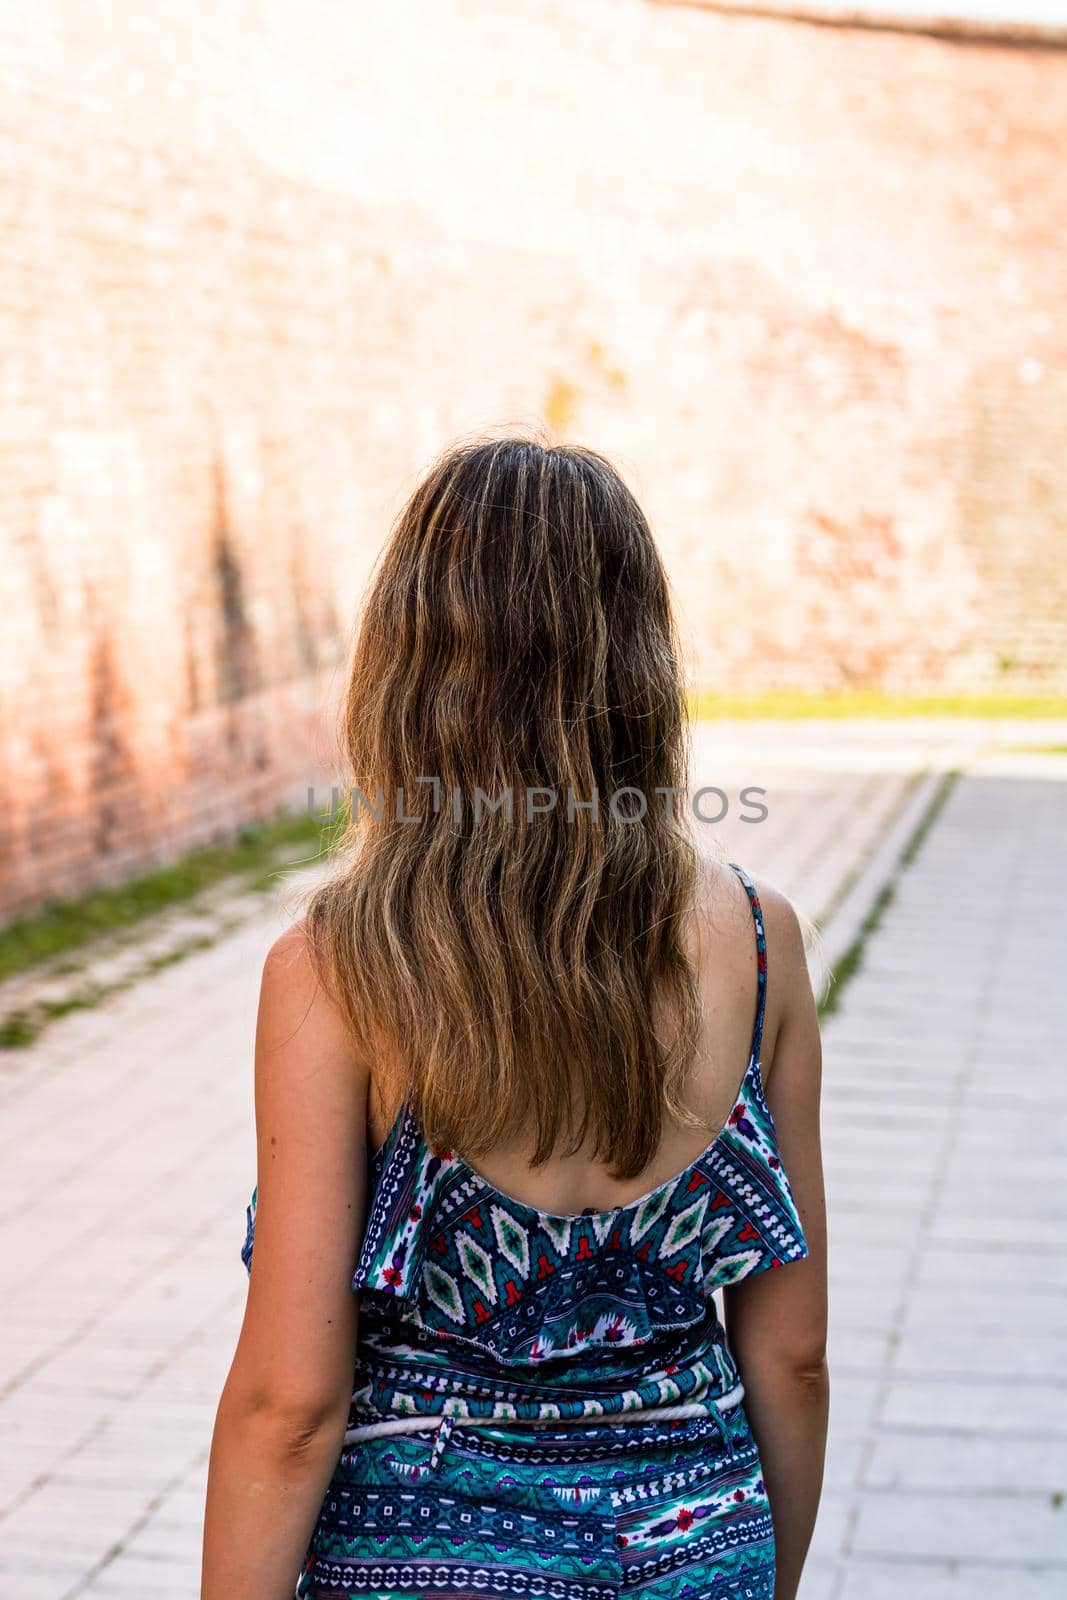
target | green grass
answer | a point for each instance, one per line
(251, 860)
(845, 887)
(23, 1026)
(852, 960)
(1038, 749)
(796, 705)
(19, 1029)
(937, 804)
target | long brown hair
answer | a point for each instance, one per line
(518, 636)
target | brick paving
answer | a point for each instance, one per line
(127, 1156)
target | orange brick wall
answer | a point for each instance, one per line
(260, 259)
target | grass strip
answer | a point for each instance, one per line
(845, 887)
(23, 1026)
(250, 859)
(852, 960)
(789, 705)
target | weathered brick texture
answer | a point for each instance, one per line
(260, 259)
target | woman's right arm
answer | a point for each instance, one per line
(283, 1412)
(776, 1321)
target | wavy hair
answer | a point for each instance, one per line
(518, 636)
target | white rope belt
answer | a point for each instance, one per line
(693, 1408)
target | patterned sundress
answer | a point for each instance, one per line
(544, 1405)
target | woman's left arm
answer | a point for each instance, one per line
(280, 1426)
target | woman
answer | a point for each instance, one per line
(481, 1353)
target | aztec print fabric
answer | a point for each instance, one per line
(477, 1307)
(651, 1511)
(475, 1303)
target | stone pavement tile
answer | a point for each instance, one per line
(45, 1575)
(16, 1482)
(1030, 1225)
(163, 1537)
(835, 1513)
(858, 1302)
(844, 1460)
(39, 1431)
(871, 1055)
(891, 1087)
(160, 1577)
(47, 1517)
(854, 1404)
(990, 1127)
(858, 1352)
(901, 1071)
(924, 1459)
(936, 1303)
(984, 1407)
(821, 1579)
(875, 1178)
(968, 1171)
(885, 1260)
(907, 1579)
(989, 1350)
(95, 1261)
(849, 1155)
(990, 1084)
(872, 1226)
(125, 1501)
(894, 1137)
(881, 1268)
(853, 1196)
(104, 1460)
(999, 1527)
(63, 1378)
(183, 1500)
(1009, 1271)
(909, 1029)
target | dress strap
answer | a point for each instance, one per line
(761, 959)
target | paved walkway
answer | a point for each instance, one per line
(127, 1156)
(945, 1132)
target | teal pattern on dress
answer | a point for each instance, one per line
(649, 1511)
(474, 1305)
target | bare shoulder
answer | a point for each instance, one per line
(723, 947)
(720, 906)
(297, 1337)
(295, 1008)
(722, 910)
(784, 930)
(792, 1013)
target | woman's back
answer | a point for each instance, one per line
(482, 1307)
(719, 940)
(454, 1255)
(513, 1127)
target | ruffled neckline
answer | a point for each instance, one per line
(752, 1082)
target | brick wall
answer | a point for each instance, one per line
(260, 259)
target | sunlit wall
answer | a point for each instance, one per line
(260, 260)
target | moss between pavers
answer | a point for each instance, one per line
(22, 1026)
(251, 860)
(852, 960)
